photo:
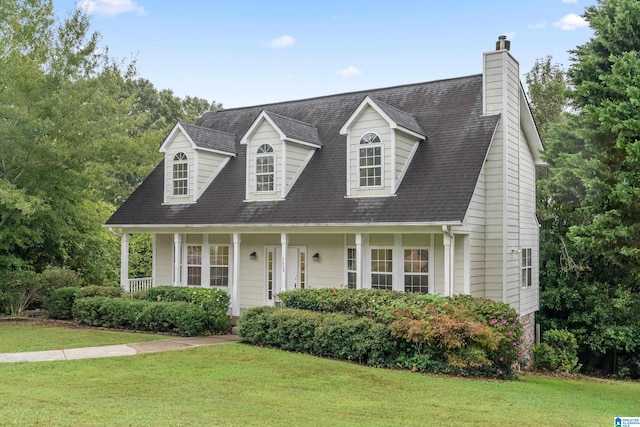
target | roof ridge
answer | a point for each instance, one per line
(365, 91)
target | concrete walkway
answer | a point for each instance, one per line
(177, 343)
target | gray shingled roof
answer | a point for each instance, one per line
(211, 138)
(400, 118)
(437, 186)
(295, 129)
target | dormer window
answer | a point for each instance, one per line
(370, 160)
(265, 169)
(180, 175)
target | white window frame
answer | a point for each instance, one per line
(526, 267)
(353, 262)
(370, 145)
(213, 249)
(373, 272)
(192, 265)
(265, 151)
(406, 273)
(180, 166)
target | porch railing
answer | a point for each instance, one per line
(141, 284)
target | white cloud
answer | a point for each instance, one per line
(538, 26)
(510, 35)
(569, 1)
(280, 42)
(109, 7)
(350, 71)
(571, 22)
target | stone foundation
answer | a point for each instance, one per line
(528, 322)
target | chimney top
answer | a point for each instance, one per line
(503, 43)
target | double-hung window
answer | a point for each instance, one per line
(382, 269)
(219, 265)
(370, 160)
(416, 270)
(527, 268)
(180, 175)
(194, 265)
(265, 169)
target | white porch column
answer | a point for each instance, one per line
(398, 263)
(124, 261)
(358, 260)
(235, 281)
(447, 239)
(284, 242)
(177, 257)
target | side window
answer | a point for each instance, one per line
(527, 268)
(180, 175)
(265, 169)
(370, 160)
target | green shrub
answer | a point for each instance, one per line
(214, 301)
(174, 317)
(462, 335)
(253, 325)
(100, 291)
(336, 335)
(355, 338)
(20, 288)
(557, 353)
(55, 277)
(60, 302)
(4, 303)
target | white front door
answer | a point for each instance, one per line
(296, 265)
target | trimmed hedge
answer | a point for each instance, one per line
(175, 317)
(100, 291)
(214, 301)
(331, 335)
(60, 302)
(461, 335)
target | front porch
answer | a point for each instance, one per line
(254, 267)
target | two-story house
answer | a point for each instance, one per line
(426, 187)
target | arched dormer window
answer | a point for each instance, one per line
(370, 155)
(265, 169)
(180, 175)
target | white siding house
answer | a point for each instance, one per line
(428, 187)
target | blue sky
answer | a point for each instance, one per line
(245, 52)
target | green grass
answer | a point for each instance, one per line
(236, 384)
(35, 336)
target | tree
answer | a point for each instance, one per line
(547, 90)
(78, 132)
(594, 182)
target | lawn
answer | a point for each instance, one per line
(36, 336)
(235, 384)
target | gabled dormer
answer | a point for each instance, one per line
(278, 149)
(193, 157)
(381, 141)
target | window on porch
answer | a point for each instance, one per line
(351, 268)
(382, 269)
(194, 265)
(416, 270)
(219, 265)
